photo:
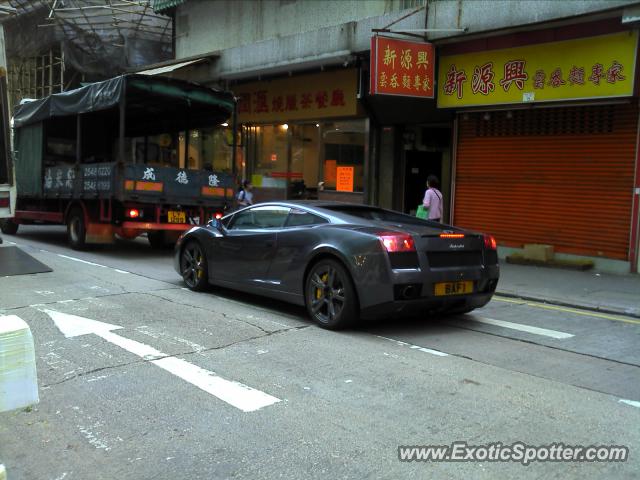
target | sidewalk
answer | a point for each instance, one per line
(619, 294)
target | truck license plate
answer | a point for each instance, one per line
(177, 217)
(453, 288)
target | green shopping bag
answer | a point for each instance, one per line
(422, 212)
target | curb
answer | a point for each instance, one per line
(559, 303)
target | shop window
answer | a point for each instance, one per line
(343, 163)
(305, 144)
(270, 156)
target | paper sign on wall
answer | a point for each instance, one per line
(344, 180)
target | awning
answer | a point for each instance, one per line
(170, 68)
(160, 6)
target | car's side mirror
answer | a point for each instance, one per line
(217, 224)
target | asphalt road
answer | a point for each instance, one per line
(225, 385)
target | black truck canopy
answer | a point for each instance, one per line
(142, 94)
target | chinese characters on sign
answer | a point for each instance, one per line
(256, 102)
(344, 179)
(182, 177)
(594, 67)
(399, 67)
(328, 94)
(149, 174)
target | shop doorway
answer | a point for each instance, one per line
(418, 166)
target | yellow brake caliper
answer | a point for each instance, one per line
(199, 259)
(324, 278)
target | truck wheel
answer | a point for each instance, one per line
(8, 226)
(157, 240)
(76, 229)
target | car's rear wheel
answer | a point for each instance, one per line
(8, 226)
(330, 296)
(193, 266)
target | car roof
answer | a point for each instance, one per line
(319, 207)
(312, 203)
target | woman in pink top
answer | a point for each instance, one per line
(433, 199)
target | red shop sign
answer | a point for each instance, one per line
(400, 67)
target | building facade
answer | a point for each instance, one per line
(533, 128)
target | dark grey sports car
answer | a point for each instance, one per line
(343, 261)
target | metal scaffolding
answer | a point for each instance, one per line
(52, 45)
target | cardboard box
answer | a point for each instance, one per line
(539, 252)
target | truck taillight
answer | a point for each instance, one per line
(4, 202)
(490, 242)
(133, 213)
(397, 242)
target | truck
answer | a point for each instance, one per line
(7, 181)
(128, 156)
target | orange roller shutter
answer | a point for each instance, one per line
(559, 176)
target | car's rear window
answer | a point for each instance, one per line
(377, 214)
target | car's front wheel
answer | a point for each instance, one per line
(193, 266)
(330, 296)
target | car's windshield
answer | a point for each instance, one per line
(378, 214)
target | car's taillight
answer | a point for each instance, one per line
(218, 215)
(452, 235)
(4, 202)
(490, 242)
(397, 242)
(133, 213)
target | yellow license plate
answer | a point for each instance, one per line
(177, 217)
(453, 288)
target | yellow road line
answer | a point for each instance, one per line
(586, 313)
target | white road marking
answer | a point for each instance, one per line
(633, 403)
(91, 263)
(415, 347)
(524, 328)
(92, 438)
(81, 261)
(234, 393)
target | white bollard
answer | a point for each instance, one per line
(18, 377)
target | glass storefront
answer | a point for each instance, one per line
(299, 160)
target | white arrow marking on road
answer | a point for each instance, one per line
(633, 403)
(237, 394)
